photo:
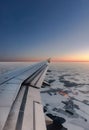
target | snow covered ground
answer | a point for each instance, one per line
(7, 67)
(68, 94)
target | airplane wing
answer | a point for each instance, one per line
(20, 101)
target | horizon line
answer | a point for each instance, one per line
(70, 60)
(37, 60)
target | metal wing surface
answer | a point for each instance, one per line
(20, 101)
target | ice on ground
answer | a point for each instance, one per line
(68, 94)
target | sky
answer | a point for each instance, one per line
(38, 29)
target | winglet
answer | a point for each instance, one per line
(49, 60)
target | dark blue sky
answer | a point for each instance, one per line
(44, 28)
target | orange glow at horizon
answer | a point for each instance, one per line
(72, 58)
(66, 58)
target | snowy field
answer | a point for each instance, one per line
(68, 94)
(7, 67)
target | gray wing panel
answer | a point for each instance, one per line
(10, 88)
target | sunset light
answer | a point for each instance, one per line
(41, 29)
